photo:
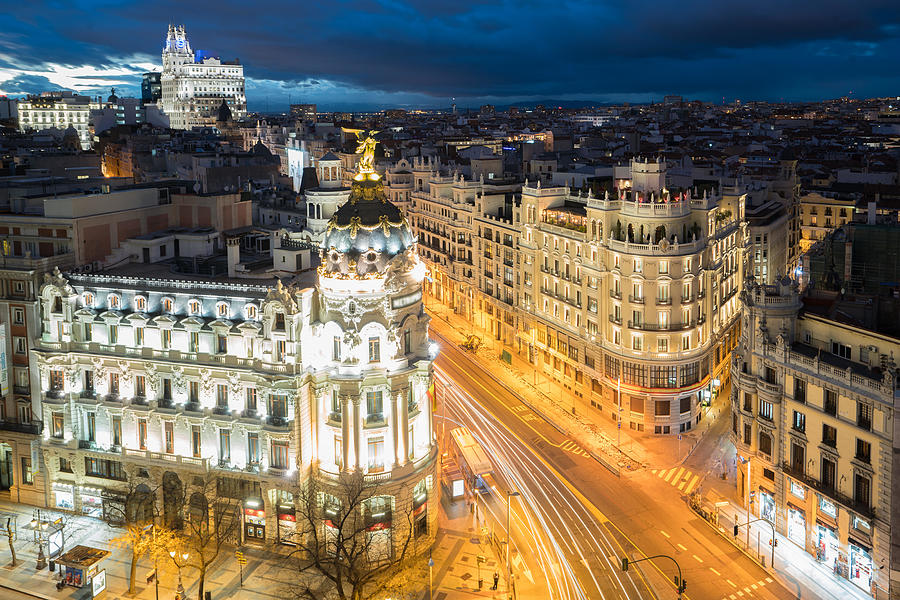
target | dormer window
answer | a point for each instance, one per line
(57, 304)
(251, 311)
(194, 307)
(168, 304)
(113, 301)
(88, 299)
(140, 303)
(222, 309)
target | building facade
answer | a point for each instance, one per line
(812, 420)
(627, 300)
(264, 386)
(59, 110)
(193, 86)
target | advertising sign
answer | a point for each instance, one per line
(98, 583)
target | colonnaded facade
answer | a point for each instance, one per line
(263, 385)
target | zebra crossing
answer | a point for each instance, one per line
(748, 590)
(678, 477)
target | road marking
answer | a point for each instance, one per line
(754, 586)
(731, 583)
(680, 471)
(768, 580)
(665, 534)
(692, 484)
(747, 590)
(570, 446)
(698, 559)
(682, 547)
(716, 572)
(732, 597)
(740, 594)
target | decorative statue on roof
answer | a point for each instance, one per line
(366, 147)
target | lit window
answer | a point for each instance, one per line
(140, 303)
(251, 311)
(113, 301)
(88, 299)
(222, 309)
(194, 307)
(167, 304)
(374, 349)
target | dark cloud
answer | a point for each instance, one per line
(430, 50)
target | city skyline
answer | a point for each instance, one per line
(362, 56)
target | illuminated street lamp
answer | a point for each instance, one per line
(179, 591)
(508, 563)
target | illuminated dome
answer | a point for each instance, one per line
(366, 232)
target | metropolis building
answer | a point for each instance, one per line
(194, 85)
(628, 299)
(263, 385)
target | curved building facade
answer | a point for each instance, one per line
(264, 385)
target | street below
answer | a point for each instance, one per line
(580, 518)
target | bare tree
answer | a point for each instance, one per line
(143, 534)
(9, 536)
(212, 524)
(349, 535)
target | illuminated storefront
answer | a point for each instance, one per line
(861, 566)
(254, 521)
(64, 496)
(796, 526)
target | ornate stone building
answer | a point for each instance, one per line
(263, 385)
(629, 299)
(813, 396)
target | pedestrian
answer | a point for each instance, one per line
(496, 580)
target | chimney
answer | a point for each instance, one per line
(233, 248)
(870, 212)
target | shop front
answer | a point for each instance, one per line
(91, 502)
(254, 521)
(82, 564)
(766, 505)
(64, 496)
(861, 566)
(827, 547)
(287, 524)
(796, 527)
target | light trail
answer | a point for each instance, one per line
(558, 537)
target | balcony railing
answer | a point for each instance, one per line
(33, 428)
(636, 299)
(862, 508)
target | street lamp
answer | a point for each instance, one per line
(179, 591)
(509, 496)
(430, 578)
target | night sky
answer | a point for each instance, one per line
(356, 55)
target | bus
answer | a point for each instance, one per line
(476, 468)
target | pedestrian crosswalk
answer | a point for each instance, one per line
(747, 592)
(678, 477)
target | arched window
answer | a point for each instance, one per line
(194, 307)
(88, 299)
(251, 311)
(168, 304)
(140, 303)
(113, 301)
(222, 309)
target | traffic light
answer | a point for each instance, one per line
(624, 564)
(735, 530)
(683, 586)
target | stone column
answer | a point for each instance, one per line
(404, 427)
(357, 431)
(395, 398)
(345, 432)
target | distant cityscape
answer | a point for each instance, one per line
(525, 351)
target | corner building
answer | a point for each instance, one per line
(813, 401)
(153, 381)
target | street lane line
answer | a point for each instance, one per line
(665, 534)
(698, 559)
(768, 580)
(754, 586)
(716, 572)
(682, 547)
(730, 582)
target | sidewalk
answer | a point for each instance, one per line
(799, 572)
(456, 554)
(560, 406)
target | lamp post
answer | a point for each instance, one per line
(430, 578)
(179, 591)
(509, 496)
(619, 419)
